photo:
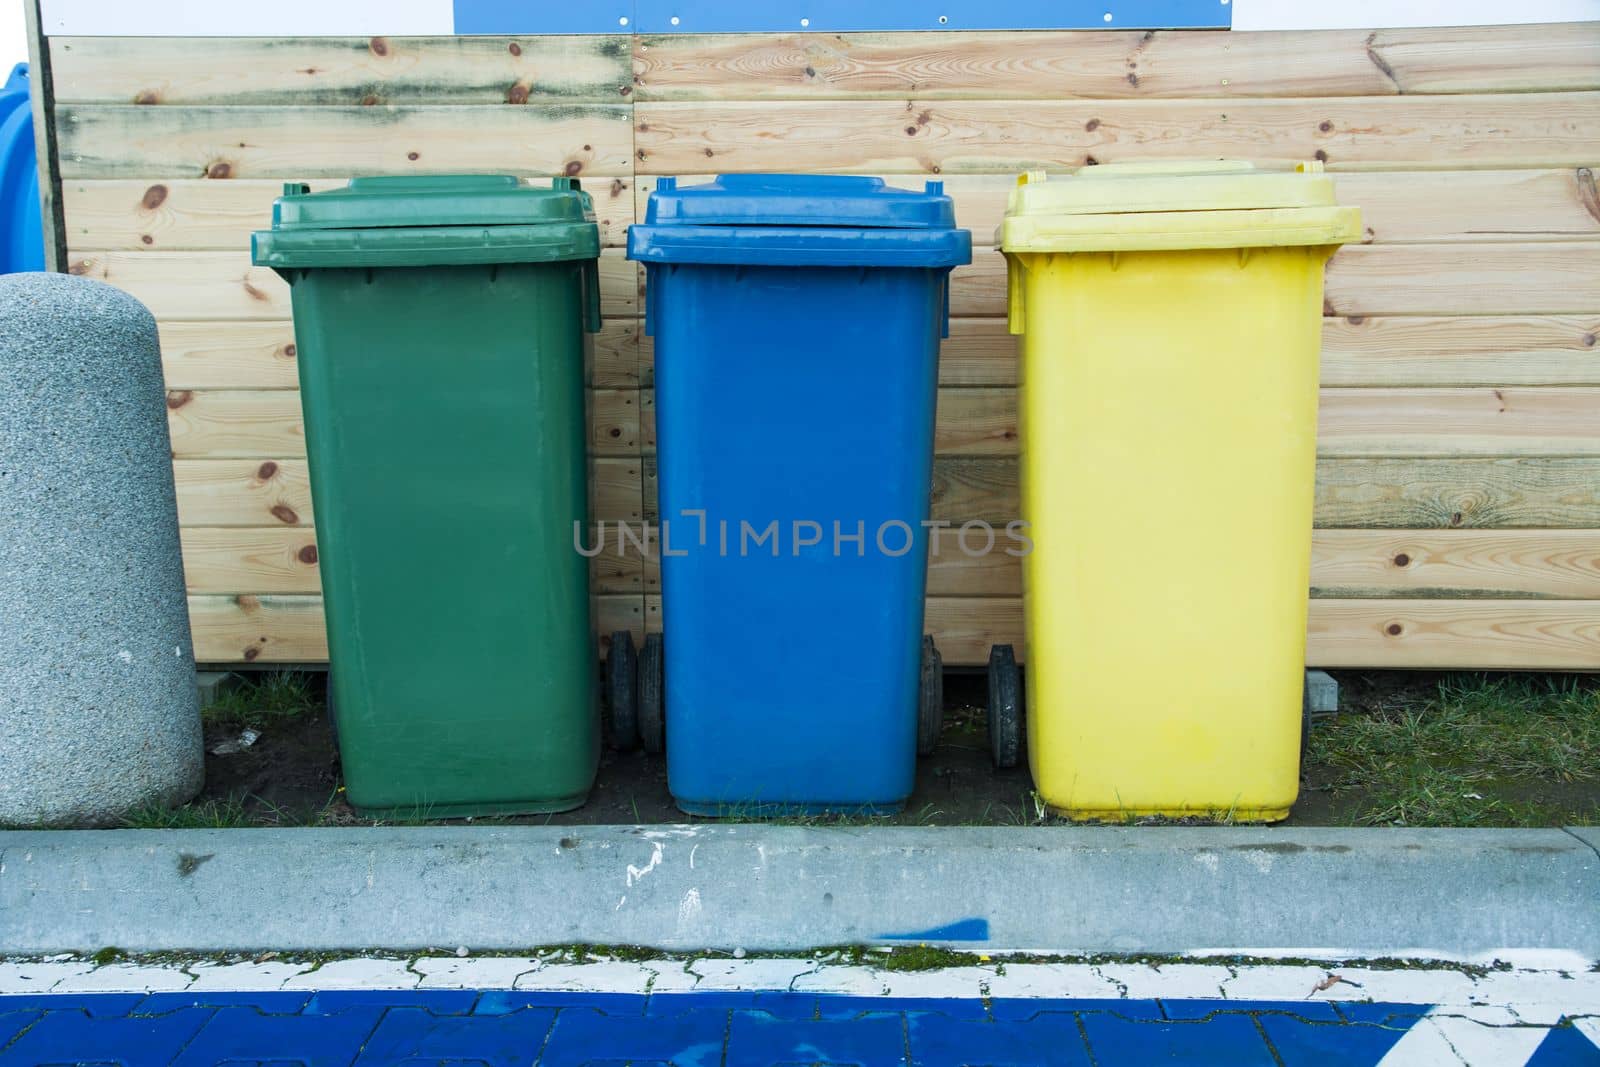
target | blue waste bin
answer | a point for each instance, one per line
(797, 322)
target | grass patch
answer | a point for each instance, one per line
(260, 700)
(201, 815)
(1476, 750)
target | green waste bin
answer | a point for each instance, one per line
(441, 328)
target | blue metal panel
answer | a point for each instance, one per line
(523, 17)
(842, 16)
(835, 16)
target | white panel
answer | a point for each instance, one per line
(1377, 14)
(236, 18)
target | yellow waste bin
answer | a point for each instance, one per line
(1170, 318)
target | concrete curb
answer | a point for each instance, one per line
(1314, 893)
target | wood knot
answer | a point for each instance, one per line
(1325, 126)
(1402, 560)
(1320, 156)
(148, 96)
(572, 168)
(80, 267)
(618, 187)
(625, 89)
(811, 72)
(219, 171)
(285, 514)
(1092, 125)
(153, 197)
(289, 350)
(307, 554)
(1133, 79)
(709, 153)
(252, 652)
(1455, 519)
(1355, 320)
(517, 94)
(145, 238)
(266, 470)
(379, 46)
(1588, 340)
(370, 100)
(413, 156)
(176, 398)
(911, 131)
(1394, 629)
(514, 48)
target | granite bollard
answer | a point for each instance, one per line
(98, 707)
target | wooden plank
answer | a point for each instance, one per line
(249, 423)
(200, 214)
(1361, 350)
(967, 136)
(1467, 350)
(290, 629)
(1353, 422)
(1552, 278)
(1379, 493)
(277, 492)
(1421, 206)
(1434, 634)
(208, 286)
(1460, 634)
(275, 560)
(1435, 564)
(262, 355)
(1558, 278)
(308, 72)
(1098, 64)
(284, 142)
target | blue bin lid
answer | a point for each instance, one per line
(799, 220)
(21, 225)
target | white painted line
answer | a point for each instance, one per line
(1452, 1040)
(38, 977)
(243, 977)
(484, 972)
(125, 978)
(357, 974)
(1185, 981)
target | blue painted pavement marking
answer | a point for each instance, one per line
(514, 1028)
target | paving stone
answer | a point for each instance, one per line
(356, 974)
(124, 977)
(1230, 1039)
(1052, 980)
(1300, 1043)
(409, 1036)
(1566, 1046)
(1008, 1010)
(972, 1008)
(438, 1001)
(502, 1001)
(749, 974)
(13, 1023)
(97, 1005)
(1286, 983)
(69, 1037)
(756, 1039)
(1309, 1010)
(1431, 1040)
(245, 1036)
(484, 972)
(37, 977)
(938, 1041)
(238, 977)
(614, 977)
(581, 1036)
(267, 1001)
(1139, 981)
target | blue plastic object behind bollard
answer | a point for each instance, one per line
(797, 324)
(21, 227)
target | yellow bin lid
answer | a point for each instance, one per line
(1154, 207)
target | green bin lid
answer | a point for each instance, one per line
(429, 220)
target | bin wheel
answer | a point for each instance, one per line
(652, 696)
(1005, 708)
(930, 711)
(622, 690)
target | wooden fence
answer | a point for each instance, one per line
(1458, 486)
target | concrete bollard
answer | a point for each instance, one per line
(98, 707)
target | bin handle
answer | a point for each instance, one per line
(591, 295)
(1014, 315)
(944, 309)
(650, 301)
